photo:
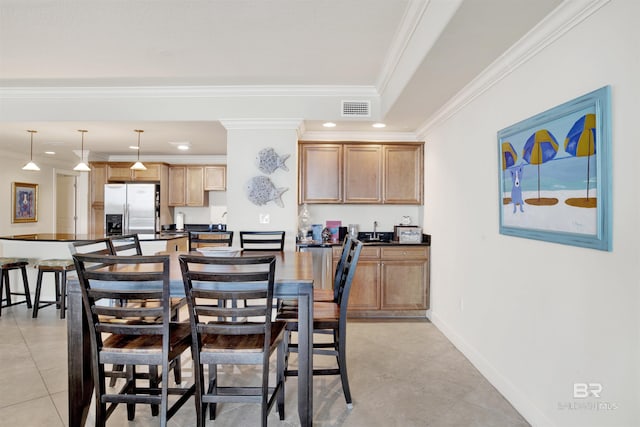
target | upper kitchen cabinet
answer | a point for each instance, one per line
(403, 174)
(186, 186)
(122, 172)
(361, 173)
(215, 178)
(320, 173)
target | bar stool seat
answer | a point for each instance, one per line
(6, 265)
(59, 268)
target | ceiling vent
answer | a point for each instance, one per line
(356, 108)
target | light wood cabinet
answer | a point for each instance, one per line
(122, 172)
(389, 281)
(361, 173)
(186, 186)
(320, 173)
(97, 180)
(403, 174)
(215, 178)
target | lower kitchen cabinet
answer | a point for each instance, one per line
(390, 281)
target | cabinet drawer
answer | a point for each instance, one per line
(405, 252)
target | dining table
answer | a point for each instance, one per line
(294, 280)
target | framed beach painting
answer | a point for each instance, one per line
(25, 202)
(555, 174)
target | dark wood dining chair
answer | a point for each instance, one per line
(210, 238)
(331, 318)
(262, 240)
(219, 338)
(132, 335)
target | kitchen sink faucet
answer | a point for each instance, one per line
(374, 236)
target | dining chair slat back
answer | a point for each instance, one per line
(262, 240)
(128, 244)
(213, 238)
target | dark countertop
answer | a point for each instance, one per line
(426, 241)
(66, 237)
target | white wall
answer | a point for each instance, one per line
(244, 140)
(537, 317)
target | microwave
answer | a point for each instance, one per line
(409, 234)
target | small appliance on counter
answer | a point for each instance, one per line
(179, 221)
(407, 233)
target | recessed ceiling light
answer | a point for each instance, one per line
(378, 125)
(133, 147)
(181, 145)
(50, 152)
(329, 125)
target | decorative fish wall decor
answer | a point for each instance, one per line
(260, 191)
(268, 161)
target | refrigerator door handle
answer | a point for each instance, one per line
(125, 227)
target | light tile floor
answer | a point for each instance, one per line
(401, 374)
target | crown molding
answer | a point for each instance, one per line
(262, 124)
(566, 16)
(185, 91)
(171, 159)
(359, 136)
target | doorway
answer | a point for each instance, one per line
(66, 196)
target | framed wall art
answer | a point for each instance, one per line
(25, 202)
(555, 174)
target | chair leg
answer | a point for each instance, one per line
(342, 364)
(282, 352)
(36, 302)
(57, 280)
(153, 383)
(7, 287)
(131, 407)
(63, 295)
(213, 388)
(25, 283)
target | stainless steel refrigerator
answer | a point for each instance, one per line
(131, 208)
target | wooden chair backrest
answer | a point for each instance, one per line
(140, 278)
(262, 240)
(226, 279)
(128, 244)
(210, 238)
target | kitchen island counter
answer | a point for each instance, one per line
(70, 237)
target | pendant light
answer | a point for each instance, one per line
(138, 166)
(31, 166)
(82, 166)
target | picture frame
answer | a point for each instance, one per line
(554, 174)
(25, 202)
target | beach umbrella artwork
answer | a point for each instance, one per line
(509, 158)
(540, 147)
(581, 142)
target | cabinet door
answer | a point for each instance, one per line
(362, 173)
(151, 174)
(404, 285)
(98, 178)
(177, 185)
(215, 178)
(320, 173)
(195, 186)
(403, 174)
(119, 172)
(365, 288)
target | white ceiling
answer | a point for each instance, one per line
(416, 54)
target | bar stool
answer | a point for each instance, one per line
(59, 268)
(6, 265)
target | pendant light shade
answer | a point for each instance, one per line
(82, 166)
(31, 166)
(138, 166)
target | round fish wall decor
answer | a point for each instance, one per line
(260, 191)
(268, 161)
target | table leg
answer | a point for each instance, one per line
(79, 357)
(305, 358)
